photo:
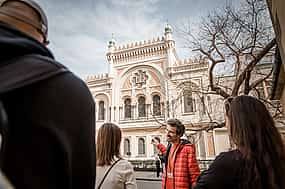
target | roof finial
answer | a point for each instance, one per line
(112, 41)
(167, 28)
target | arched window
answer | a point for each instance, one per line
(127, 147)
(141, 107)
(188, 101)
(128, 107)
(101, 115)
(141, 145)
(156, 105)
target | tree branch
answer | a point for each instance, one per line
(251, 65)
(246, 83)
(257, 82)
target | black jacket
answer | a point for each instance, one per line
(60, 106)
(223, 173)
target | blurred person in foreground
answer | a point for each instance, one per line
(51, 123)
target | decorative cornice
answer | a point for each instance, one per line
(139, 50)
(190, 61)
(97, 77)
(189, 64)
(139, 44)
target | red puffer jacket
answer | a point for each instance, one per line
(186, 168)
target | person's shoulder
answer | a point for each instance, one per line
(226, 165)
(230, 155)
(186, 143)
(231, 159)
(51, 61)
(67, 77)
(77, 88)
(188, 146)
(125, 164)
(123, 161)
(41, 61)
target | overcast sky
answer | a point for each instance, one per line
(79, 31)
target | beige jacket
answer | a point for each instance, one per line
(121, 176)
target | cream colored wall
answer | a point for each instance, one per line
(221, 139)
(147, 135)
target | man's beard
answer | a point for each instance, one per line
(169, 138)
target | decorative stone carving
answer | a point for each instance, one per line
(139, 78)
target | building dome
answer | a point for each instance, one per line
(168, 28)
(112, 42)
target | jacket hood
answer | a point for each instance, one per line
(14, 43)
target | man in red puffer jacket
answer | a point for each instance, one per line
(181, 166)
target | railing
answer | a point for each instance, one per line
(146, 113)
(149, 165)
(192, 66)
(204, 164)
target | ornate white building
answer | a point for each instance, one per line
(145, 85)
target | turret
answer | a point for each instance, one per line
(111, 45)
(111, 49)
(168, 32)
(170, 47)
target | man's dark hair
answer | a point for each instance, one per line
(180, 128)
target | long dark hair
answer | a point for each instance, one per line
(108, 144)
(252, 129)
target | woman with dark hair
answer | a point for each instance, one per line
(258, 162)
(112, 172)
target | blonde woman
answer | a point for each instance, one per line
(112, 172)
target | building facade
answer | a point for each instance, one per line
(147, 84)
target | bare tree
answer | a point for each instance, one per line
(237, 37)
(197, 97)
(240, 38)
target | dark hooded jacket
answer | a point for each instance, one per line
(51, 141)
